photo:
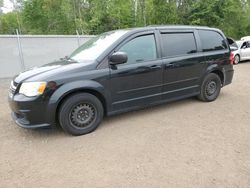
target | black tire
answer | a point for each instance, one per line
(210, 88)
(236, 59)
(80, 114)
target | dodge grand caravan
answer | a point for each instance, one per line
(119, 71)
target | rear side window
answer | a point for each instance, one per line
(177, 44)
(211, 41)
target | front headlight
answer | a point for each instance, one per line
(32, 89)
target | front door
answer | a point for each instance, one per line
(137, 82)
(245, 51)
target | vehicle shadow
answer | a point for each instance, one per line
(141, 113)
(57, 132)
(243, 62)
(41, 133)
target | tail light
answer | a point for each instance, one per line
(231, 58)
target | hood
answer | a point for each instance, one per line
(44, 72)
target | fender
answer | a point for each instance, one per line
(70, 87)
(74, 86)
(212, 68)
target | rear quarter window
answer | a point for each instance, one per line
(211, 41)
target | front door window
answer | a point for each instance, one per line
(140, 49)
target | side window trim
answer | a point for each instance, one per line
(162, 31)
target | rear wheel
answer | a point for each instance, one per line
(210, 88)
(80, 114)
(236, 59)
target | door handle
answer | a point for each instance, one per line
(155, 67)
(169, 65)
(144, 69)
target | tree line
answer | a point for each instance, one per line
(97, 16)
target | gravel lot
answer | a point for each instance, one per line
(182, 144)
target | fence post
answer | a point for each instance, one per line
(20, 51)
(78, 38)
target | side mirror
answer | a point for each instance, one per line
(118, 58)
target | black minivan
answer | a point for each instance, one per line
(119, 71)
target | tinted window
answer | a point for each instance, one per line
(244, 45)
(175, 44)
(140, 49)
(211, 41)
(248, 44)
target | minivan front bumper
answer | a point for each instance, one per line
(28, 112)
(24, 123)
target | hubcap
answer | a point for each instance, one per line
(211, 88)
(236, 59)
(82, 115)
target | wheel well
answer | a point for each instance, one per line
(93, 92)
(220, 74)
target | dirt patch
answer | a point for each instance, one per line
(182, 144)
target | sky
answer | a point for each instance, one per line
(7, 6)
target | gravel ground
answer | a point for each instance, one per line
(182, 144)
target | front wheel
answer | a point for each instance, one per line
(80, 114)
(210, 88)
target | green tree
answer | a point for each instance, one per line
(9, 23)
(164, 12)
(96, 16)
(229, 15)
(47, 16)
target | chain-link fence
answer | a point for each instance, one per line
(21, 52)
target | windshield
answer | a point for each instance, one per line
(239, 43)
(94, 47)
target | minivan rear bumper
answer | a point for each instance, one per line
(228, 76)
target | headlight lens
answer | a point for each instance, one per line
(32, 89)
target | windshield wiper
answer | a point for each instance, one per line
(67, 58)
